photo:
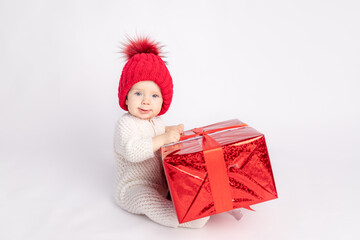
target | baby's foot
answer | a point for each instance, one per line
(198, 223)
(236, 213)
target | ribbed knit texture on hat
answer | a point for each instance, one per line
(143, 67)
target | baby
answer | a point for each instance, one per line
(145, 91)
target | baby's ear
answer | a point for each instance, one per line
(126, 101)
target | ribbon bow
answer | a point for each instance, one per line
(202, 132)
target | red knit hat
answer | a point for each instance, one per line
(144, 63)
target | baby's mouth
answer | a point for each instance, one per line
(144, 111)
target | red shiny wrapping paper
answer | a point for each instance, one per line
(245, 161)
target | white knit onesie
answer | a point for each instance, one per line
(140, 182)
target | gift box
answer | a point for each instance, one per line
(218, 168)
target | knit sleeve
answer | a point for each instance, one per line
(129, 143)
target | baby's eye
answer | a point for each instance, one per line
(155, 96)
(137, 93)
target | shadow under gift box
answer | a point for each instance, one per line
(218, 168)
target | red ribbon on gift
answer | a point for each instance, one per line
(200, 131)
(216, 167)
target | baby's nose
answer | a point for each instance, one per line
(146, 100)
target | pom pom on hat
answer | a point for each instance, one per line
(144, 63)
(140, 45)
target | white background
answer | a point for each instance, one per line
(290, 69)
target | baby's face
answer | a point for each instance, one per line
(144, 100)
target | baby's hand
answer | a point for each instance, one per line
(171, 136)
(179, 128)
